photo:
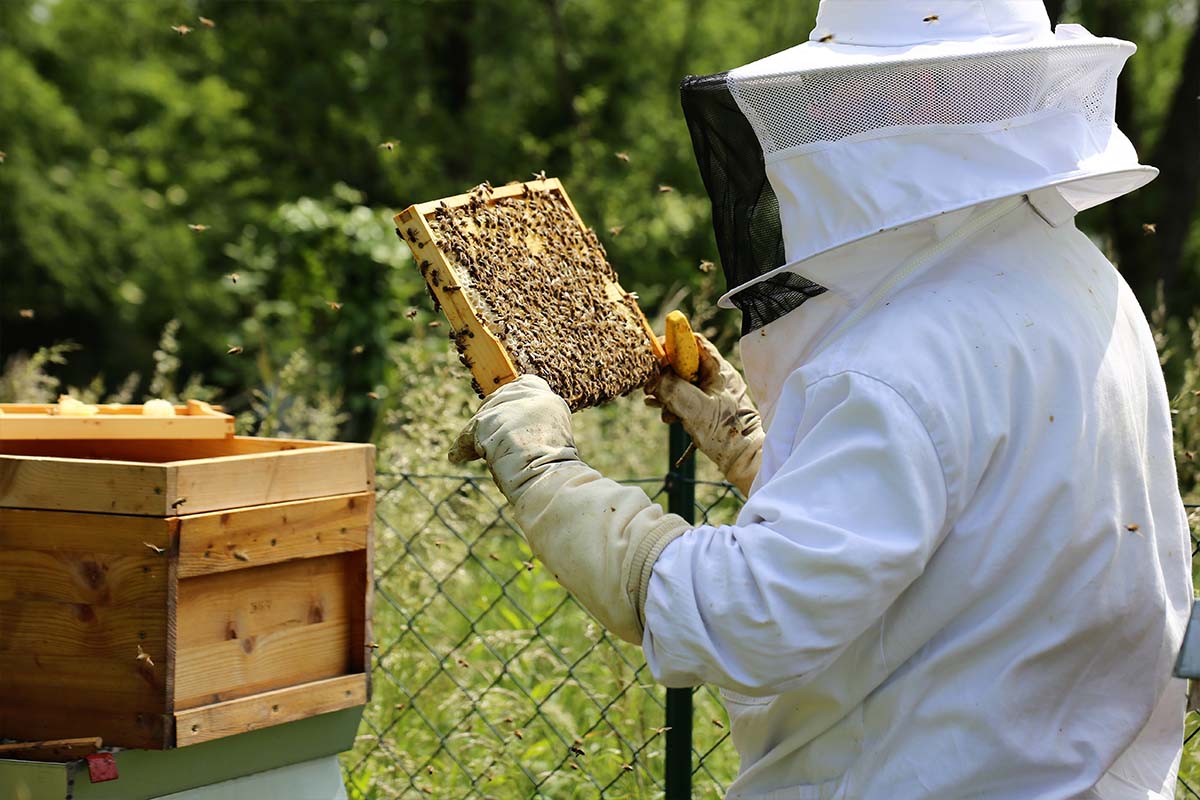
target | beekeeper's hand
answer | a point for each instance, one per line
(598, 538)
(716, 412)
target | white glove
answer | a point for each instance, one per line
(717, 413)
(598, 538)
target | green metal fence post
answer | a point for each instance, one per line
(681, 500)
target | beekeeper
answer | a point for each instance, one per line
(963, 567)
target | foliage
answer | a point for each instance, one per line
(287, 134)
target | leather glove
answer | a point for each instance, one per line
(598, 538)
(716, 412)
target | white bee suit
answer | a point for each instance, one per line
(963, 568)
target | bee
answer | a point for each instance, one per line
(234, 350)
(196, 227)
(931, 18)
(627, 767)
(539, 175)
(26, 313)
(516, 731)
(1133, 527)
(450, 287)
(435, 324)
(387, 146)
(3, 155)
(665, 189)
(467, 361)
(826, 38)
(435, 277)
(182, 30)
(373, 395)
(1149, 228)
(233, 277)
(707, 266)
(144, 657)
(333, 305)
(240, 555)
(412, 234)
(622, 156)
(357, 350)
(411, 313)
(615, 230)
(206, 22)
(577, 750)
(155, 548)
(178, 503)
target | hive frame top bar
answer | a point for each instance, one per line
(485, 355)
(195, 420)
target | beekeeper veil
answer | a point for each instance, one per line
(894, 112)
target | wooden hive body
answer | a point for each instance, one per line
(527, 288)
(161, 594)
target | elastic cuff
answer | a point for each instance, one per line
(641, 566)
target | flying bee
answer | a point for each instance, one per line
(826, 38)
(707, 266)
(357, 350)
(373, 395)
(931, 18)
(1149, 228)
(665, 189)
(622, 156)
(411, 313)
(234, 349)
(26, 313)
(233, 277)
(144, 657)
(615, 230)
(435, 324)
(182, 30)
(387, 146)
(196, 227)
(333, 305)
(3, 155)
(206, 22)
(540, 175)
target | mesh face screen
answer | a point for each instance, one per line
(745, 210)
(790, 110)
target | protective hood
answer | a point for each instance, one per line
(897, 111)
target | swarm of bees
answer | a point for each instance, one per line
(541, 283)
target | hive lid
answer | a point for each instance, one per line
(195, 420)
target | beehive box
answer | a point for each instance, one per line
(161, 594)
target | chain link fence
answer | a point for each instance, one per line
(492, 682)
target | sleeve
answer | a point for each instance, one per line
(821, 549)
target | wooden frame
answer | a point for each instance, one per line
(491, 365)
(156, 478)
(34, 421)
